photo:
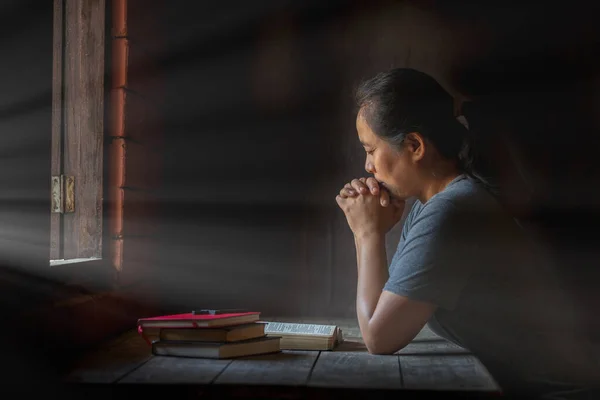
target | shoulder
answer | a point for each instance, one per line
(467, 193)
(436, 216)
(463, 206)
(435, 208)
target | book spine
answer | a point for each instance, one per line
(141, 332)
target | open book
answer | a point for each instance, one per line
(295, 336)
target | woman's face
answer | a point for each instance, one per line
(395, 169)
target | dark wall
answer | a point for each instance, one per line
(536, 99)
(251, 154)
(25, 122)
(260, 135)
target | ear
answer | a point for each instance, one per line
(415, 144)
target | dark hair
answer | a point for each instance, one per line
(400, 101)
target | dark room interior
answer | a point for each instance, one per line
(208, 141)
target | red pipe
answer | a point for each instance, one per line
(117, 147)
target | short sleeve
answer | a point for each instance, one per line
(436, 258)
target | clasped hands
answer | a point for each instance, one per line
(369, 208)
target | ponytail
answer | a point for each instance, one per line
(470, 161)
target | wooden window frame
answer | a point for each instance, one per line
(78, 113)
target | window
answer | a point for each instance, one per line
(78, 100)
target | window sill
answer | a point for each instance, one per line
(72, 261)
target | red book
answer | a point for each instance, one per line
(190, 320)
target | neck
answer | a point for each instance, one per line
(436, 184)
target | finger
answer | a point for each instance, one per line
(384, 199)
(359, 186)
(345, 193)
(373, 185)
(350, 190)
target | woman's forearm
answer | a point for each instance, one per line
(371, 261)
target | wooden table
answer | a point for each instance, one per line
(428, 363)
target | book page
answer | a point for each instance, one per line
(298, 329)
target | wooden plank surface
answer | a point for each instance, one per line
(432, 347)
(427, 363)
(356, 370)
(451, 372)
(162, 369)
(112, 361)
(285, 368)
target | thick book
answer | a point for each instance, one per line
(296, 336)
(217, 350)
(224, 334)
(190, 320)
(147, 326)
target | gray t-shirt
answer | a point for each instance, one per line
(496, 294)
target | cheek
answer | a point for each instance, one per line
(395, 171)
(406, 176)
(384, 165)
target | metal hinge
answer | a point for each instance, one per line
(63, 194)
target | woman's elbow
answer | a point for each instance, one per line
(379, 347)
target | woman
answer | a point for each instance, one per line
(462, 265)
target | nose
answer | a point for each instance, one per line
(369, 167)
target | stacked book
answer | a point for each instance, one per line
(227, 334)
(208, 334)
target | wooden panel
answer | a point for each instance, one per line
(113, 361)
(177, 370)
(57, 120)
(285, 368)
(356, 369)
(141, 258)
(143, 163)
(140, 213)
(452, 372)
(147, 35)
(84, 124)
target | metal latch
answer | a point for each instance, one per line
(63, 194)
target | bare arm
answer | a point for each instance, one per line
(371, 261)
(387, 321)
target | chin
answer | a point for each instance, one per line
(392, 191)
(397, 194)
